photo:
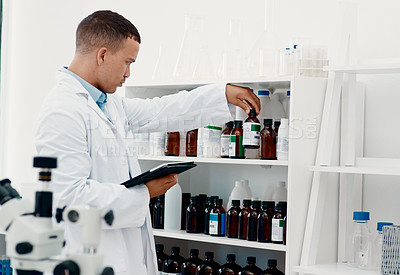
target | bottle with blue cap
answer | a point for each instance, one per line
(263, 95)
(360, 241)
(377, 245)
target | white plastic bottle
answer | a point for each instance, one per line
(263, 95)
(360, 240)
(286, 104)
(246, 185)
(239, 192)
(377, 246)
(173, 207)
(280, 193)
(282, 145)
(274, 108)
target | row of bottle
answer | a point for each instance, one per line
(256, 221)
(366, 250)
(176, 264)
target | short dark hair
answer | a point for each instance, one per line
(104, 28)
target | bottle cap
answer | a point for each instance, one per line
(229, 124)
(235, 202)
(253, 112)
(186, 196)
(267, 121)
(193, 199)
(209, 254)
(277, 123)
(175, 250)
(246, 202)
(268, 204)
(380, 225)
(159, 247)
(272, 262)
(238, 123)
(231, 257)
(162, 197)
(263, 92)
(219, 201)
(288, 93)
(251, 260)
(194, 252)
(361, 216)
(256, 203)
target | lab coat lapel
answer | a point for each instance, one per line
(98, 111)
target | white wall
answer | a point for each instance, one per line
(40, 38)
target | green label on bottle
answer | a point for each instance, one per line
(255, 127)
(241, 148)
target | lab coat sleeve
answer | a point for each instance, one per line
(206, 105)
(62, 133)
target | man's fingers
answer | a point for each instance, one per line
(253, 101)
(244, 106)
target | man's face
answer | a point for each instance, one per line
(116, 66)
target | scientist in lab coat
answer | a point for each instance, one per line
(89, 129)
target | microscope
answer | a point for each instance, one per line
(34, 241)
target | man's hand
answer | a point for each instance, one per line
(161, 185)
(242, 97)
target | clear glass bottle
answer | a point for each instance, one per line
(251, 131)
(236, 149)
(251, 268)
(191, 143)
(272, 270)
(172, 144)
(209, 266)
(230, 267)
(190, 265)
(232, 220)
(268, 141)
(161, 256)
(377, 246)
(225, 139)
(217, 219)
(360, 239)
(173, 264)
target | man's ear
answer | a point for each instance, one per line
(101, 55)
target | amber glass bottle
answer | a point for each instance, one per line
(161, 256)
(172, 143)
(243, 219)
(252, 220)
(251, 268)
(268, 141)
(202, 204)
(191, 143)
(190, 265)
(209, 206)
(277, 224)
(225, 139)
(272, 270)
(217, 219)
(158, 212)
(231, 267)
(192, 212)
(236, 149)
(209, 266)
(232, 220)
(185, 204)
(265, 221)
(251, 131)
(173, 264)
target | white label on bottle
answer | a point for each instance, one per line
(277, 230)
(232, 146)
(225, 142)
(251, 133)
(282, 145)
(213, 224)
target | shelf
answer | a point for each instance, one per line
(218, 160)
(366, 68)
(199, 237)
(333, 269)
(357, 170)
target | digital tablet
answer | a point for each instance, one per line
(160, 171)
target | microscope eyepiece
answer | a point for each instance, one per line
(45, 162)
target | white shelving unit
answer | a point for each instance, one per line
(334, 269)
(216, 176)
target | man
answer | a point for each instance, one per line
(88, 128)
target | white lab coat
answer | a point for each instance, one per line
(95, 156)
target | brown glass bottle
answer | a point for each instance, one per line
(172, 143)
(243, 219)
(202, 204)
(251, 131)
(252, 220)
(268, 141)
(185, 204)
(232, 220)
(236, 149)
(251, 268)
(209, 266)
(191, 143)
(209, 206)
(277, 225)
(217, 219)
(190, 265)
(151, 208)
(231, 267)
(158, 213)
(173, 264)
(265, 221)
(272, 270)
(161, 256)
(192, 216)
(277, 123)
(225, 139)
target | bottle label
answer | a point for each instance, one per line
(167, 273)
(283, 145)
(251, 133)
(225, 144)
(232, 147)
(223, 224)
(277, 230)
(214, 224)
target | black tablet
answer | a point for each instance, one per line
(160, 171)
